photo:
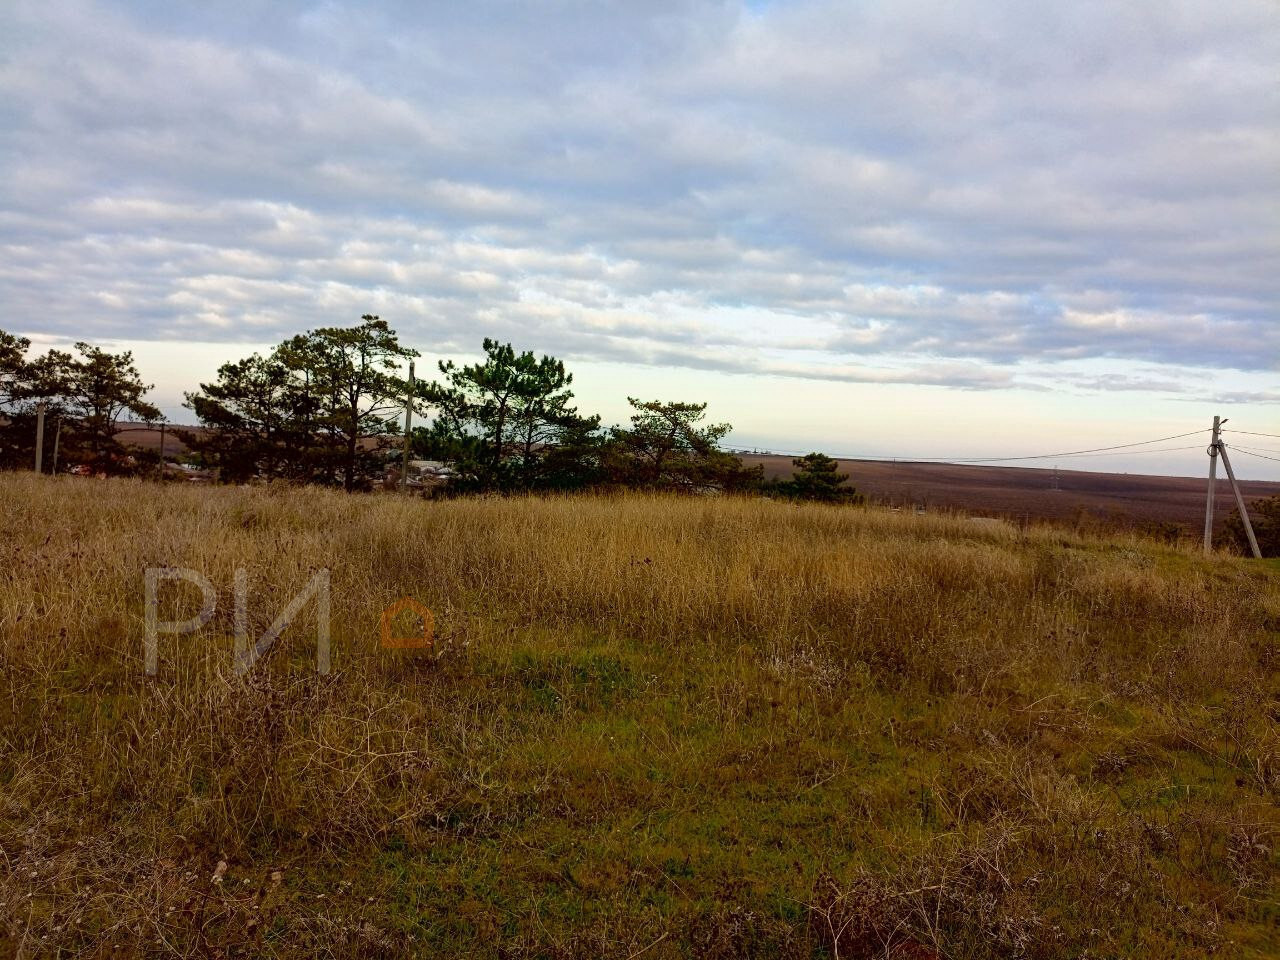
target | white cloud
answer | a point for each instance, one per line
(919, 192)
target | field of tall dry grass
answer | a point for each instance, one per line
(649, 726)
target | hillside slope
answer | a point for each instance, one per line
(650, 726)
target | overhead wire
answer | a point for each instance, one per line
(1079, 453)
(1119, 449)
(1251, 433)
(1090, 451)
(1130, 453)
(1248, 453)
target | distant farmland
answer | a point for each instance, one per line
(1026, 491)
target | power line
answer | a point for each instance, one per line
(1122, 453)
(1253, 434)
(1129, 453)
(1080, 453)
(977, 460)
(1260, 456)
(1091, 451)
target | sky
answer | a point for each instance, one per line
(912, 228)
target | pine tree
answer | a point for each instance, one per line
(817, 477)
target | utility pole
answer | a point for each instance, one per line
(1213, 486)
(40, 408)
(1244, 514)
(408, 426)
(57, 439)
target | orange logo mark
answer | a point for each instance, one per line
(402, 643)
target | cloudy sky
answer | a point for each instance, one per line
(904, 228)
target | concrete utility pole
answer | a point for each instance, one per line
(1216, 447)
(40, 408)
(1213, 486)
(1244, 514)
(408, 427)
(57, 439)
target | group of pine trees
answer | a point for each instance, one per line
(84, 395)
(324, 407)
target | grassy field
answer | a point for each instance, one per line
(650, 728)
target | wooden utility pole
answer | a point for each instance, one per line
(1244, 514)
(40, 408)
(1213, 486)
(408, 427)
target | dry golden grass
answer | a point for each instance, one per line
(683, 727)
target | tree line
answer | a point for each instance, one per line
(325, 407)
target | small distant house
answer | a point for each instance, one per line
(424, 476)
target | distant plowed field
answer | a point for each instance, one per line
(1026, 492)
